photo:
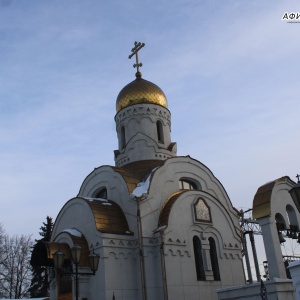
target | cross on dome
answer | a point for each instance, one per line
(137, 47)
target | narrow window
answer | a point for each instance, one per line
(123, 140)
(160, 132)
(102, 193)
(214, 259)
(198, 258)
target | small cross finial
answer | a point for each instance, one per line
(137, 47)
(298, 176)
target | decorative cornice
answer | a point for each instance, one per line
(143, 110)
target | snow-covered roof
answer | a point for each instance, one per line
(142, 187)
(73, 231)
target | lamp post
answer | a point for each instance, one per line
(76, 253)
(295, 193)
(58, 258)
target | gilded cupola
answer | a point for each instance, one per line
(140, 91)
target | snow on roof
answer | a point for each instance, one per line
(94, 199)
(142, 187)
(74, 232)
(103, 201)
(160, 228)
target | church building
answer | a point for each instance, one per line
(163, 225)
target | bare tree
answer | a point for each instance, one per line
(15, 270)
(2, 234)
(2, 256)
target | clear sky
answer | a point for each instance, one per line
(230, 71)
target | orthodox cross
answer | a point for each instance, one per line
(298, 176)
(137, 47)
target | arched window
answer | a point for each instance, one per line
(160, 132)
(186, 184)
(102, 193)
(123, 139)
(198, 258)
(214, 258)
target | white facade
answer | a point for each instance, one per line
(157, 239)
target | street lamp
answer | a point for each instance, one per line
(58, 258)
(94, 262)
(295, 193)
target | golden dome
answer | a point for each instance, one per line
(140, 91)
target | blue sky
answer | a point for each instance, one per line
(230, 71)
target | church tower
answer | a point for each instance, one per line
(163, 225)
(143, 121)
